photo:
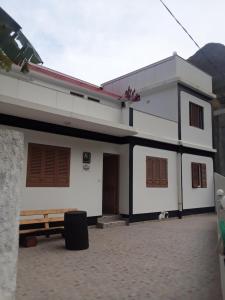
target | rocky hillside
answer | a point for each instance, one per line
(211, 59)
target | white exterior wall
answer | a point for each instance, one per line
(173, 68)
(197, 197)
(193, 75)
(147, 200)
(35, 93)
(192, 134)
(155, 126)
(85, 191)
(163, 103)
(144, 77)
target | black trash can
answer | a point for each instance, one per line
(76, 230)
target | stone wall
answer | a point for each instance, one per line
(11, 162)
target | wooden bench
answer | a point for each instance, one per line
(41, 222)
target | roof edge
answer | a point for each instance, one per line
(58, 76)
(138, 70)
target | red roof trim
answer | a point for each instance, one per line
(72, 80)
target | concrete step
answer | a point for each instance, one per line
(108, 218)
(112, 223)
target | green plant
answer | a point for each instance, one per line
(5, 62)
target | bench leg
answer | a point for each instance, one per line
(28, 241)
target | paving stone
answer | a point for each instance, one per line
(169, 260)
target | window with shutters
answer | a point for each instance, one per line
(48, 166)
(196, 115)
(156, 172)
(199, 176)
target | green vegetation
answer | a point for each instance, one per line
(14, 46)
(5, 62)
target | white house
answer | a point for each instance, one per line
(89, 148)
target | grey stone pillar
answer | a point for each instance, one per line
(11, 162)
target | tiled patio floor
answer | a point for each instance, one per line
(173, 259)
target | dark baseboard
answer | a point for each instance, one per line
(150, 216)
(199, 210)
(172, 214)
(92, 220)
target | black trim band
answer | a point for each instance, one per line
(57, 129)
(131, 116)
(199, 210)
(172, 214)
(150, 216)
(171, 147)
(85, 134)
(182, 87)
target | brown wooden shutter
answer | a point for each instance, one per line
(196, 115)
(191, 115)
(149, 171)
(148, 177)
(203, 176)
(156, 172)
(48, 175)
(163, 173)
(34, 165)
(63, 167)
(48, 166)
(195, 175)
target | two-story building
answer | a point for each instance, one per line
(87, 147)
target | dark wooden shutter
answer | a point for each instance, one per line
(195, 175)
(203, 176)
(196, 115)
(163, 172)
(199, 176)
(156, 172)
(149, 171)
(62, 167)
(200, 117)
(34, 165)
(191, 109)
(48, 175)
(48, 166)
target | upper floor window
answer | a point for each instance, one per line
(196, 115)
(48, 166)
(199, 177)
(156, 172)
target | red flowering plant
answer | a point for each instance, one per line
(131, 95)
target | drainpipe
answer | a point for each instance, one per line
(179, 184)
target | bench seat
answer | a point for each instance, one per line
(42, 222)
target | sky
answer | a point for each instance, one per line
(98, 40)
